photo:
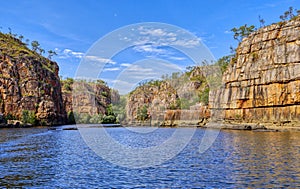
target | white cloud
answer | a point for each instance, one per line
(138, 69)
(177, 58)
(111, 69)
(149, 49)
(125, 64)
(161, 37)
(153, 40)
(100, 59)
(68, 53)
(156, 32)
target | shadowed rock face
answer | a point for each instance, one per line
(89, 98)
(30, 82)
(262, 85)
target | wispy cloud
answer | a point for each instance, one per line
(177, 58)
(125, 64)
(156, 32)
(162, 37)
(139, 69)
(154, 40)
(150, 49)
(111, 69)
(68, 53)
(100, 59)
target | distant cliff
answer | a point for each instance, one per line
(88, 101)
(262, 83)
(32, 92)
(29, 83)
(180, 99)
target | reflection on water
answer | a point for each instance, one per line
(60, 159)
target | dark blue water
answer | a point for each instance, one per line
(39, 158)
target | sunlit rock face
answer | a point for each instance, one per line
(262, 83)
(30, 82)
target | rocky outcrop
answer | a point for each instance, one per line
(155, 97)
(171, 102)
(88, 98)
(29, 82)
(262, 83)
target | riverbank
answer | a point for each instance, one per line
(251, 126)
(16, 125)
(177, 124)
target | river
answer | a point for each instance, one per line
(42, 158)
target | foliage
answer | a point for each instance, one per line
(51, 53)
(9, 116)
(109, 119)
(142, 113)
(242, 32)
(119, 108)
(176, 105)
(71, 117)
(223, 62)
(261, 21)
(13, 45)
(82, 118)
(35, 45)
(67, 84)
(204, 96)
(104, 93)
(110, 116)
(29, 117)
(97, 118)
(289, 14)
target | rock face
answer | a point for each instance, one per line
(171, 102)
(262, 84)
(156, 98)
(89, 98)
(29, 82)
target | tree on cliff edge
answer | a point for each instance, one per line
(35, 45)
(242, 32)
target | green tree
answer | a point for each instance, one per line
(71, 117)
(29, 117)
(67, 84)
(41, 51)
(204, 96)
(109, 119)
(223, 62)
(242, 32)
(27, 42)
(51, 53)
(261, 21)
(289, 14)
(97, 118)
(142, 113)
(35, 45)
(21, 37)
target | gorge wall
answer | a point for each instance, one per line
(29, 82)
(31, 90)
(262, 83)
(175, 101)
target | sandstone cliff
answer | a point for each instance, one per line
(178, 100)
(29, 82)
(89, 101)
(262, 83)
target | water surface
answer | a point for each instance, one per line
(41, 158)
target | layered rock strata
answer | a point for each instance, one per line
(262, 83)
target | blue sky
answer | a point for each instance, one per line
(72, 27)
